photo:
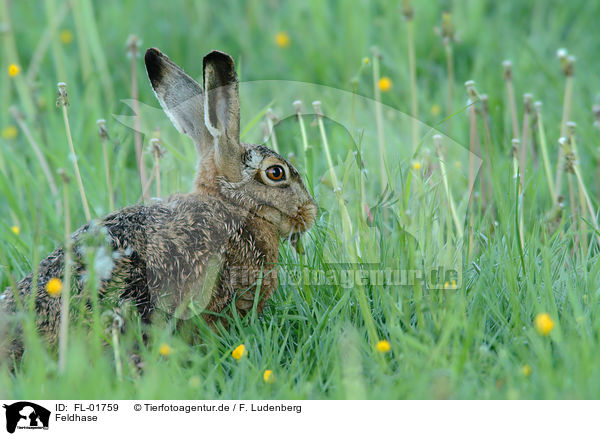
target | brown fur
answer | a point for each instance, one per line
(203, 248)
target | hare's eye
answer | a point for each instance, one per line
(275, 173)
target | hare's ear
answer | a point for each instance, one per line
(222, 112)
(180, 96)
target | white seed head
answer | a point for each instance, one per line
(317, 106)
(62, 99)
(133, 44)
(561, 53)
(62, 89)
(507, 69)
(101, 123)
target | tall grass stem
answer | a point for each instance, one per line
(379, 120)
(65, 297)
(63, 102)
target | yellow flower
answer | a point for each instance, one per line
(385, 84)
(16, 230)
(366, 61)
(13, 70)
(165, 350)
(526, 370)
(66, 36)
(268, 376)
(416, 165)
(544, 324)
(435, 110)
(54, 287)
(239, 352)
(9, 132)
(282, 39)
(383, 346)
(446, 285)
(453, 284)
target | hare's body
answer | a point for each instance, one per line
(196, 252)
(163, 251)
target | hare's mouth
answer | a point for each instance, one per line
(290, 224)
(300, 222)
(303, 219)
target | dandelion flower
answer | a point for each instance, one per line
(544, 324)
(282, 39)
(16, 230)
(383, 346)
(385, 84)
(366, 61)
(66, 36)
(165, 350)
(9, 132)
(446, 285)
(13, 70)
(435, 110)
(54, 287)
(416, 165)
(268, 376)
(239, 352)
(526, 370)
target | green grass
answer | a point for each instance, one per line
(319, 341)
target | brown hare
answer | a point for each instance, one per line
(207, 247)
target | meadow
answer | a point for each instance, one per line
(430, 157)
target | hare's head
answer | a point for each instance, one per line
(252, 176)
